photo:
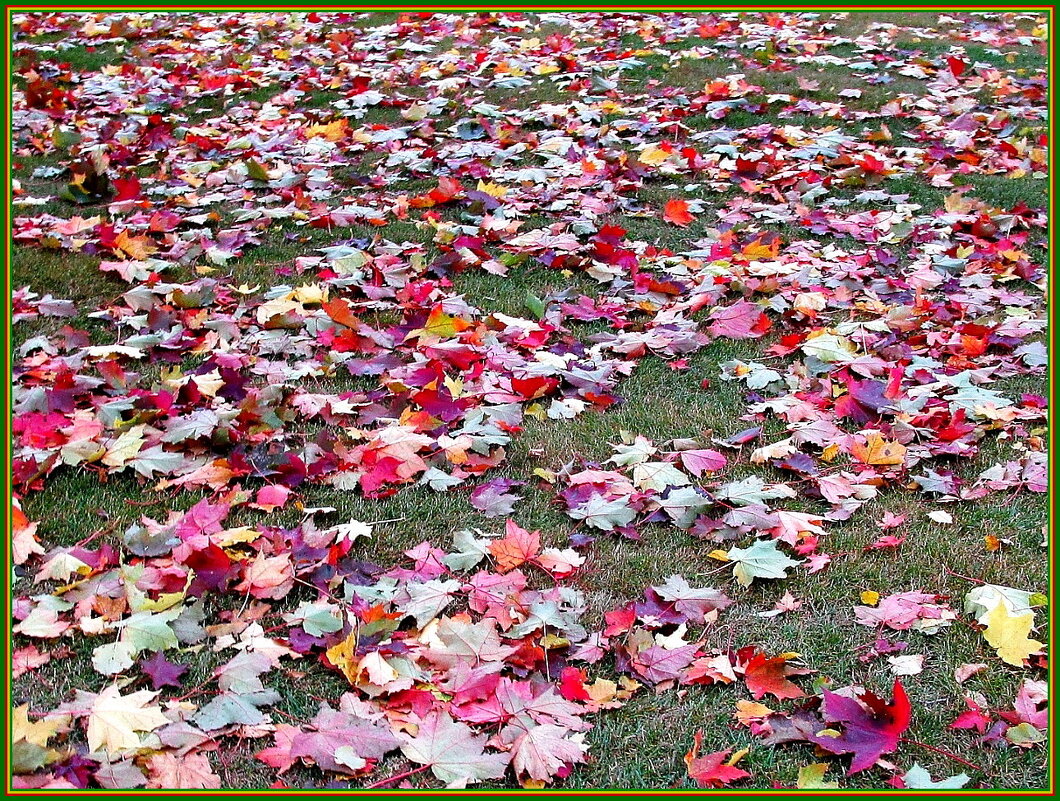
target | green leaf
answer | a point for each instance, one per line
(317, 619)
(919, 779)
(256, 172)
(811, 777)
(26, 757)
(535, 305)
(65, 139)
(761, 560)
(604, 514)
(151, 632)
(228, 709)
(113, 658)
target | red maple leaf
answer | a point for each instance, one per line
(870, 728)
(676, 211)
(770, 676)
(710, 770)
(516, 547)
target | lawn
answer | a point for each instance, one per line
(375, 375)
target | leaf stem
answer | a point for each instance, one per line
(406, 774)
(944, 753)
(961, 576)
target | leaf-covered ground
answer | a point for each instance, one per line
(582, 400)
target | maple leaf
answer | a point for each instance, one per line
(871, 728)
(907, 610)
(560, 563)
(36, 733)
(980, 601)
(342, 742)
(897, 320)
(516, 547)
(440, 325)
(917, 778)
(658, 663)
(640, 450)
(115, 719)
(162, 672)
(228, 709)
(972, 718)
(603, 513)
(878, 451)
(458, 640)
(769, 676)
(28, 659)
(698, 462)
(241, 674)
(429, 598)
(1008, 635)
(135, 247)
(658, 476)
(762, 559)
(811, 777)
(962, 673)
(544, 750)
(712, 770)
(125, 447)
(24, 542)
(120, 775)
(155, 460)
(453, 751)
(271, 497)
(493, 498)
(332, 131)
(696, 604)
(268, 577)
(317, 619)
(676, 212)
(829, 348)
(185, 772)
(906, 664)
(753, 490)
(279, 755)
(741, 320)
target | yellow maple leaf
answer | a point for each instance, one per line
(653, 156)
(878, 451)
(311, 293)
(115, 719)
(441, 325)
(1008, 634)
(39, 732)
(344, 657)
(209, 383)
(125, 447)
(492, 189)
(135, 247)
(749, 711)
(332, 131)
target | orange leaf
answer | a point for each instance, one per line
(676, 212)
(135, 247)
(517, 546)
(770, 676)
(760, 250)
(879, 451)
(340, 311)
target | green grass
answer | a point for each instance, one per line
(642, 744)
